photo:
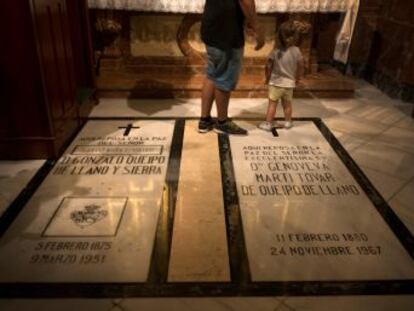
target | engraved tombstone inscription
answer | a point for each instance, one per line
(305, 217)
(94, 217)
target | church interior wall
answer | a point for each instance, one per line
(383, 47)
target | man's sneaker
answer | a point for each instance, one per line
(205, 126)
(288, 124)
(265, 126)
(229, 127)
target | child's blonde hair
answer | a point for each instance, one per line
(290, 32)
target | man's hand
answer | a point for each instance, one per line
(260, 38)
(249, 10)
(257, 33)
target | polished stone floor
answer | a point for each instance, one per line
(361, 240)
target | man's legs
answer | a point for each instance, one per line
(206, 123)
(222, 104)
(208, 94)
(224, 124)
(223, 70)
(225, 83)
(207, 98)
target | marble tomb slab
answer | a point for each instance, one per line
(305, 217)
(94, 217)
(199, 242)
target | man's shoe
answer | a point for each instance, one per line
(229, 127)
(265, 126)
(205, 126)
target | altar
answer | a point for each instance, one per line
(152, 48)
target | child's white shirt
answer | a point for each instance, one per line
(285, 66)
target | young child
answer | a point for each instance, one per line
(284, 69)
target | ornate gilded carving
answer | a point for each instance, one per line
(106, 31)
(183, 39)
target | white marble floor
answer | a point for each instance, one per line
(14, 176)
(377, 131)
(325, 303)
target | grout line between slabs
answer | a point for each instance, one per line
(401, 188)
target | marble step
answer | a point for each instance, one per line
(326, 83)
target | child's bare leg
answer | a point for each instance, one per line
(287, 109)
(271, 110)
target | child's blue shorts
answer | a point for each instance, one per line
(224, 67)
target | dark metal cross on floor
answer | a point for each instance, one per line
(128, 128)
